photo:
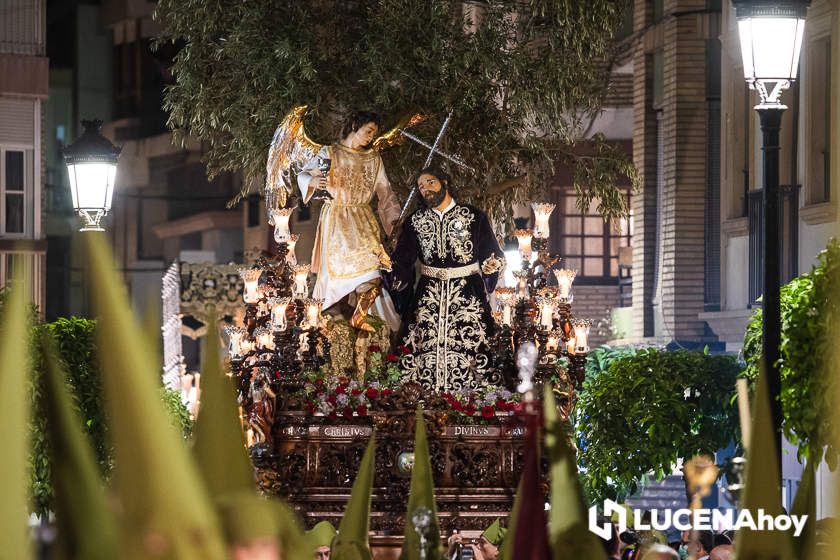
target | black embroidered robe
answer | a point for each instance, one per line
(448, 321)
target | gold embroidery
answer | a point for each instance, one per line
(442, 237)
(447, 336)
(348, 230)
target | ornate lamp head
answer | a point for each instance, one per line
(281, 224)
(301, 272)
(524, 237)
(542, 213)
(251, 277)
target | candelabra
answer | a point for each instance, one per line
(535, 312)
(280, 338)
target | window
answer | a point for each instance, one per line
(587, 242)
(15, 175)
(819, 105)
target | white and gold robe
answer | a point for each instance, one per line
(348, 242)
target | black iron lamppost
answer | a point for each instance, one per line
(771, 37)
(92, 167)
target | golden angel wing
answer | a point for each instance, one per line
(394, 137)
(290, 149)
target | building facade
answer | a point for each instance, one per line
(23, 91)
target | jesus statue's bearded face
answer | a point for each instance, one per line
(431, 189)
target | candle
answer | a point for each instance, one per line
(542, 212)
(264, 338)
(251, 277)
(291, 258)
(547, 307)
(235, 336)
(313, 311)
(281, 224)
(522, 282)
(278, 312)
(301, 272)
(570, 345)
(565, 277)
(505, 297)
(523, 237)
(249, 437)
(581, 327)
(553, 342)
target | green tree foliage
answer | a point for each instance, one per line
(808, 304)
(75, 339)
(523, 81)
(649, 409)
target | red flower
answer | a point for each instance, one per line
(456, 405)
(469, 410)
(488, 412)
(332, 415)
(372, 393)
(404, 349)
(386, 392)
(391, 358)
(361, 410)
(341, 389)
(331, 400)
(355, 392)
(319, 382)
(310, 407)
(347, 412)
(276, 375)
(374, 348)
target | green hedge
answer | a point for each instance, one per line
(641, 410)
(76, 342)
(808, 304)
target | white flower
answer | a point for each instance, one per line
(342, 399)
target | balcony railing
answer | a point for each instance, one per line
(789, 238)
(22, 27)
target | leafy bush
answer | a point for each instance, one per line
(646, 410)
(76, 343)
(808, 304)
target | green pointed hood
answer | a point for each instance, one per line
(762, 489)
(352, 540)
(495, 533)
(166, 512)
(322, 534)
(86, 525)
(218, 441)
(14, 418)
(568, 522)
(422, 494)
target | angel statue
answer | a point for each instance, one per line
(348, 252)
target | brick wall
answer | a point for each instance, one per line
(682, 122)
(594, 303)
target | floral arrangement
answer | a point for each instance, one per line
(341, 396)
(333, 396)
(487, 403)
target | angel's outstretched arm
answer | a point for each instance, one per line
(310, 170)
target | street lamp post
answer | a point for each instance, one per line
(92, 167)
(771, 37)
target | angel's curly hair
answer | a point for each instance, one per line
(358, 119)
